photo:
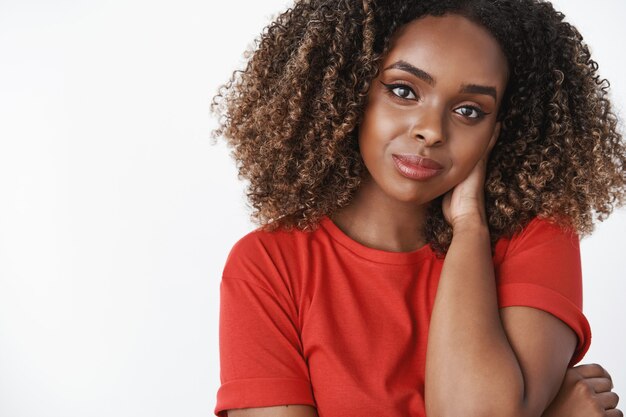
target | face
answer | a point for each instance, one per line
(436, 97)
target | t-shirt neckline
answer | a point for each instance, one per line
(372, 254)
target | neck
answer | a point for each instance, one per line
(375, 220)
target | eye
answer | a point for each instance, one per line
(472, 112)
(400, 90)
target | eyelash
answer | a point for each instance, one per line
(390, 87)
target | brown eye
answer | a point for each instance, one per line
(401, 91)
(471, 112)
(404, 92)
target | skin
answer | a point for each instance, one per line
(433, 121)
(473, 347)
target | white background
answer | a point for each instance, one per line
(117, 213)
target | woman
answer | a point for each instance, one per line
(421, 172)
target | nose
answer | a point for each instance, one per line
(428, 127)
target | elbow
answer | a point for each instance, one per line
(503, 399)
(483, 407)
(482, 412)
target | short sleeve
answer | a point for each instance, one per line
(542, 269)
(261, 361)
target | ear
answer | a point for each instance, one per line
(494, 136)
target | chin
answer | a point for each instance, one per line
(413, 196)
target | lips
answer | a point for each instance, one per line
(418, 161)
(416, 172)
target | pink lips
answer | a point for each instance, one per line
(416, 167)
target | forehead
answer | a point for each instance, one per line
(450, 47)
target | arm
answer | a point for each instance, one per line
(586, 392)
(490, 364)
(481, 361)
(278, 411)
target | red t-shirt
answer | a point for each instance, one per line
(317, 318)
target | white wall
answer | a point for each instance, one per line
(117, 213)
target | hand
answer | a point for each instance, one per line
(467, 199)
(586, 392)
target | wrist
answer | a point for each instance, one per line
(473, 223)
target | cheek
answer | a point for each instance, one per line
(380, 125)
(468, 152)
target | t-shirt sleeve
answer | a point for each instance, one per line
(261, 360)
(542, 269)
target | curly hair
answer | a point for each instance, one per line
(291, 117)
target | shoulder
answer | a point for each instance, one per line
(256, 247)
(544, 254)
(258, 244)
(267, 257)
(540, 235)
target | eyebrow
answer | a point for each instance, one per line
(423, 75)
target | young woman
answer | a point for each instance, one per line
(422, 172)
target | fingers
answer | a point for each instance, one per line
(593, 370)
(599, 384)
(608, 400)
(614, 413)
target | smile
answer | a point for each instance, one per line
(416, 167)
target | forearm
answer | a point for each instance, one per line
(471, 368)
